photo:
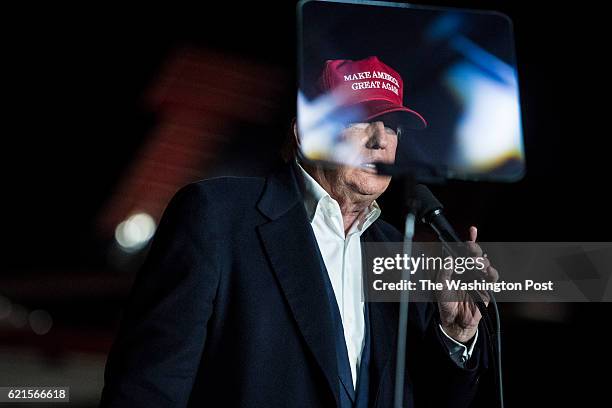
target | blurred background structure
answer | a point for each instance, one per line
(112, 111)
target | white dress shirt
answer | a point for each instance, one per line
(342, 257)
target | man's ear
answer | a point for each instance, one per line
(289, 150)
(296, 135)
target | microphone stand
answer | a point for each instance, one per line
(402, 330)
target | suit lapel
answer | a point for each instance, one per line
(292, 250)
(384, 321)
(383, 324)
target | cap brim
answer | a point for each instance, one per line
(406, 117)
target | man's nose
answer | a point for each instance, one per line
(378, 138)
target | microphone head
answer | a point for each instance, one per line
(427, 203)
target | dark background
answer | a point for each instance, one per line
(86, 91)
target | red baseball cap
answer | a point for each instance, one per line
(372, 86)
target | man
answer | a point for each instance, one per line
(252, 293)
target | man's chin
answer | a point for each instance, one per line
(372, 185)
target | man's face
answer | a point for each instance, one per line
(376, 143)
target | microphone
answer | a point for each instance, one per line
(429, 211)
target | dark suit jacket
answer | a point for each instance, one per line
(230, 310)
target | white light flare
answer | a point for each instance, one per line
(134, 233)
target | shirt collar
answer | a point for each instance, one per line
(314, 195)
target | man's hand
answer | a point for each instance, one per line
(460, 317)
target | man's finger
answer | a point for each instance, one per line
(492, 274)
(444, 275)
(485, 264)
(474, 248)
(473, 233)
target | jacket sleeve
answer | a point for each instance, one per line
(444, 383)
(155, 357)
